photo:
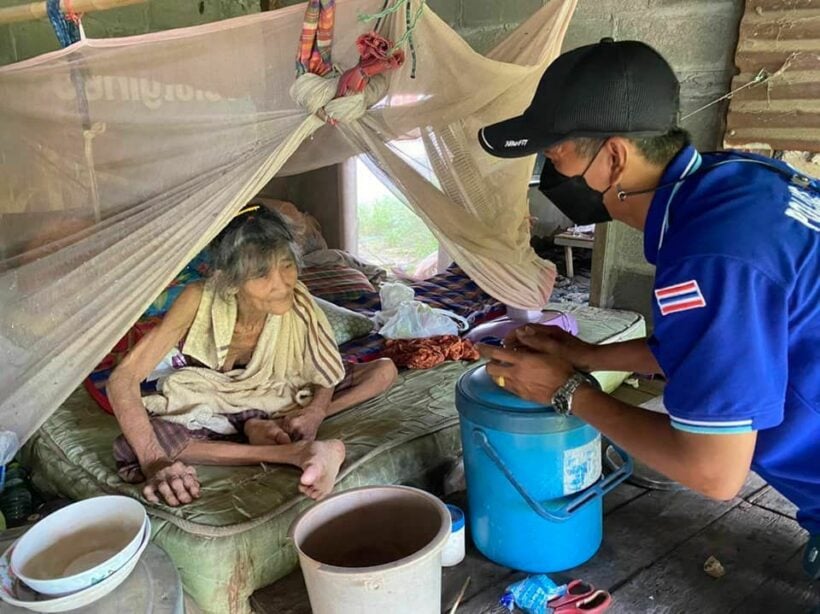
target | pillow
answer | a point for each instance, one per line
(313, 240)
(346, 324)
(335, 282)
(326, 257)
(306, 228)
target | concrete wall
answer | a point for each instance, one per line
(317, 192)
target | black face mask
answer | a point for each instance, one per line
(573, 196)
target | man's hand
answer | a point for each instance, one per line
(303, 424)
(175, 481)
(554, 341)
(529, 375)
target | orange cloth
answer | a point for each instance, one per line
(429, 352)
(376, 55)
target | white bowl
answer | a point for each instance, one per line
(79, 545)
(15, 593)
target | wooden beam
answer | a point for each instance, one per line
(37, 10)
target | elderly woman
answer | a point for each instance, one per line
(263, 372)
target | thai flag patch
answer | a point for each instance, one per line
(680, 297)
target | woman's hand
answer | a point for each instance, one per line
(303, 424)
(553, 341)
(175, 481)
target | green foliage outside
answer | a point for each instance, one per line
(390, 235)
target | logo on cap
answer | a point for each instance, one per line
(518, 143)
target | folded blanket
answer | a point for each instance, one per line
(295, 352)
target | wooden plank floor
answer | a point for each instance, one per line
(651, 559)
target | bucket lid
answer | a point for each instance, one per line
(477, 385)
(481, 400)
(457, 516)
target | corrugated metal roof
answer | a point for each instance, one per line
(781, 37)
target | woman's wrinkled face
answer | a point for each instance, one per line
(273, 292)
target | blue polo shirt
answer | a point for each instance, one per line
(736, 311)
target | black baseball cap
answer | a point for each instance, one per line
(599, 90)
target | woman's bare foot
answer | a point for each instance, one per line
(262, 432)
(320, 463)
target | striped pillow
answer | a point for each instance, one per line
(335, 282)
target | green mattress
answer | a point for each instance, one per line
(233, 540)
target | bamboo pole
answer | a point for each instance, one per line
(37, 10)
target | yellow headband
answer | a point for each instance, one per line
(247, 210)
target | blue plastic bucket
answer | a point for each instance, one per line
(534, 485)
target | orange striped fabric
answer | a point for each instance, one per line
(317, 38)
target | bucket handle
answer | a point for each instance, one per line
(599, 489)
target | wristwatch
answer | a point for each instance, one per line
(562, 399)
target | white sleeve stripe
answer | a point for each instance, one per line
(713, 423)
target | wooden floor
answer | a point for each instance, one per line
(651, 560)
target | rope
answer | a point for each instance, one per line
(411, 24)
(761, 77)
(378, 25)
(408, 35)
(66, 29)
(386, 11)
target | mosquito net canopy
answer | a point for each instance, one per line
(122, 158)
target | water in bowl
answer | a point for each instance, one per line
(79, 552)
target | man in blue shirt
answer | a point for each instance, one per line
(735, 239)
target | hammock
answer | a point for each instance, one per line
(122, 158)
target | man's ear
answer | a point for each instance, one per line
(558, 149)
(619, 152)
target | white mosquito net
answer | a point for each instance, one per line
(122, 158)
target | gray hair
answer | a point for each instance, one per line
(249, 246)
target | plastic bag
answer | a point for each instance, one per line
(532, 594)
(415, 320)
(9, 444)
(403, 317)
(392, 295)
(173, 361)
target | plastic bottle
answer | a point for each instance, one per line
(454, 549)
(15, 500)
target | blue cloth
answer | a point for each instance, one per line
(67, 31)
(737, 312)
(196, 270)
